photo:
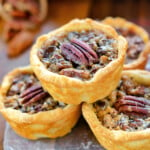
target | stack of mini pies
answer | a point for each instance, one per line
(80, 65)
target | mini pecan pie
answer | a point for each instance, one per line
(122, 119)
(27, 12)
(21, 19)
(31, 111)
(137, 37)
(76, 59)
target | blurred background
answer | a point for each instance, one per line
(134, 10)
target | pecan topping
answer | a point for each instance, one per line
(79, 52)
(33, 94)
(70, 72)
(133, 104)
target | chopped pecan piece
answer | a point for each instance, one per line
(70, 72)
(79, 52)
(129, 104)
(33, 94)
(135, 43)
(131, 87)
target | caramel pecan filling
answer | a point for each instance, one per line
(135, 44)
(22, 9)
(78, 54)
(27, 95)
(127, 108)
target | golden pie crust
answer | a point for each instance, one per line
(119, 139)
(73, 90)
(51, 124)
(122, 23)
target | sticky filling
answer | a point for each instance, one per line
(78, 54)
(27, 95)
(126, 108)
(135, 44)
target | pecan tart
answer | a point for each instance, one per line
(31, 111)
(137, 37)
(78, 58)
(21, 19)
(122, 119)
(27, 12)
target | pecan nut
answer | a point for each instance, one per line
(133, 104)
(79, 52)
(70, 72)
(33, 94)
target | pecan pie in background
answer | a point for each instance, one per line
(31, 111)
(137, 37)
(122, 120)
(21, 19)
(72, 62)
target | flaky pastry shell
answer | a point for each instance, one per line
(141, 61)
(73, 90)
(119, 139)
(52, 124)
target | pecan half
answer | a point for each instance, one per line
(33, 94)
(79, 52)
(133, 104)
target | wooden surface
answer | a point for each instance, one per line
(61, 12)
